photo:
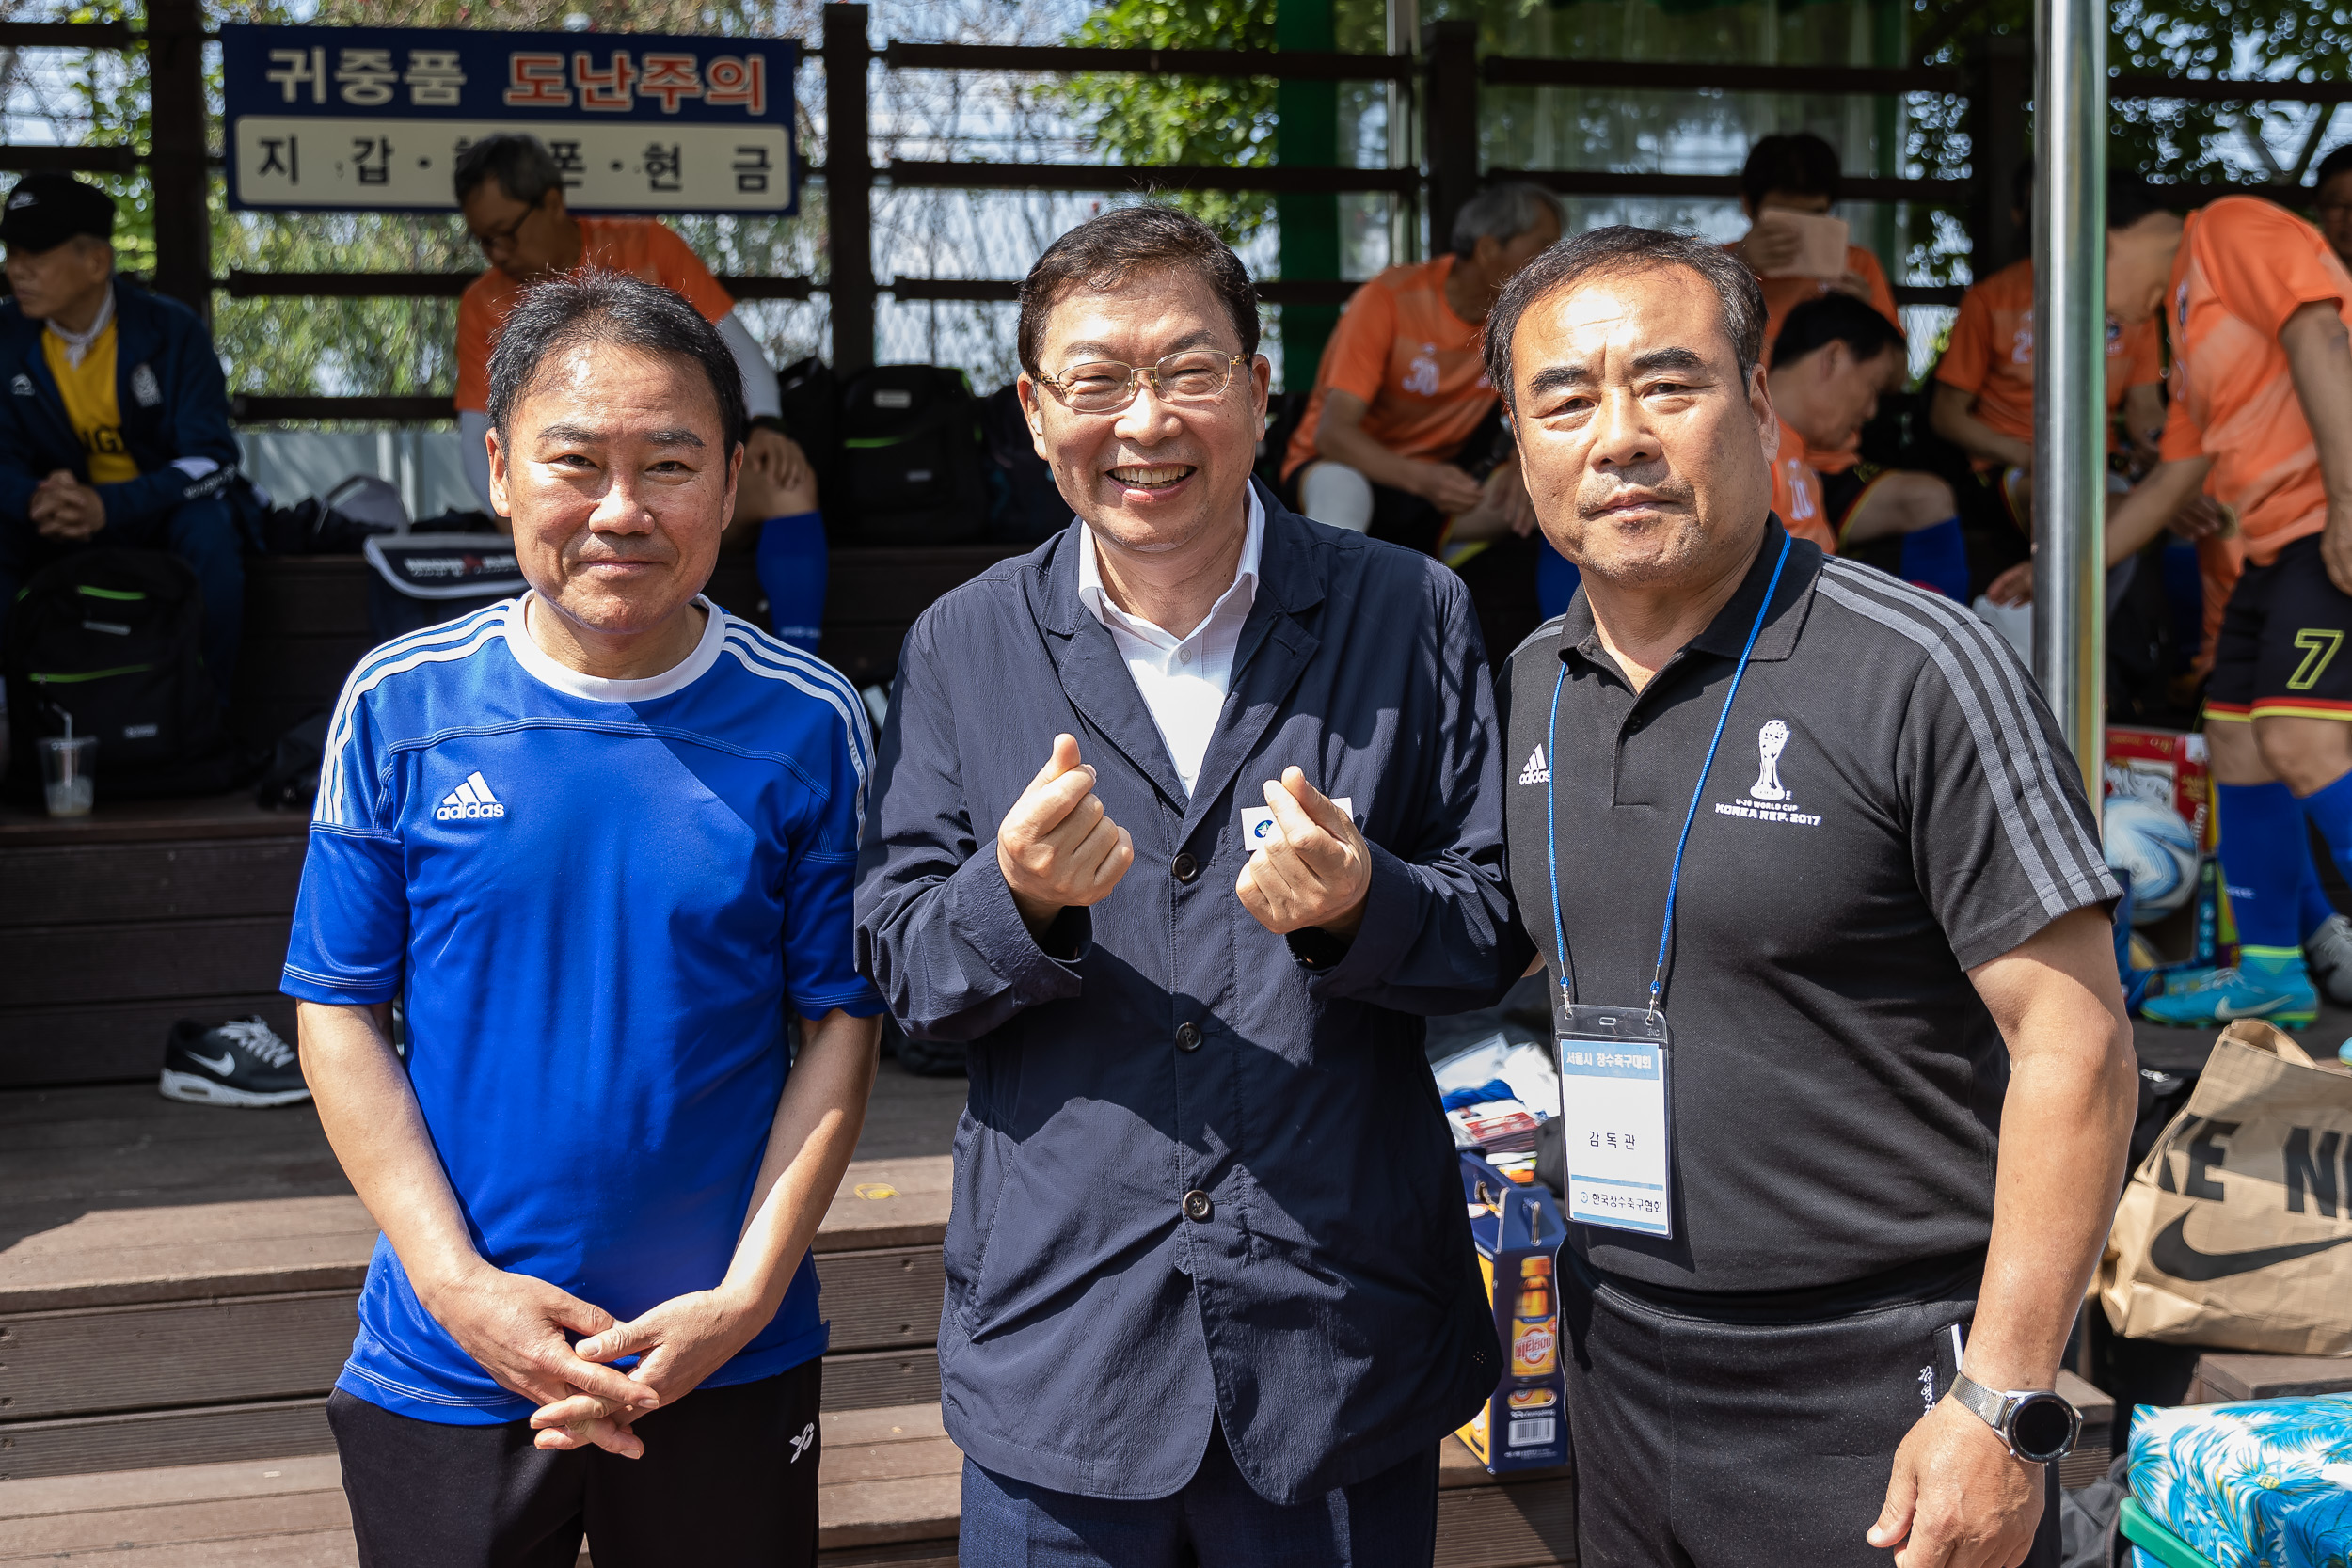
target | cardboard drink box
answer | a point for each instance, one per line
(2165, 766)
(1524, 1422)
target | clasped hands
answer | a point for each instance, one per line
(519, 1329)
(63, 507)
(1058, 848)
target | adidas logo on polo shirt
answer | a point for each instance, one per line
(469, 800)
(1537, 770)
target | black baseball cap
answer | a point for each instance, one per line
(46, 210)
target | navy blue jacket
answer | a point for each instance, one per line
(1328, 1309)
(173, 400)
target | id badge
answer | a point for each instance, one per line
(1257, 822)
(1613, 1106)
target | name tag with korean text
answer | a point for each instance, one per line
(1614, 1119)
(1257, 822)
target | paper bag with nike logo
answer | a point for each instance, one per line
(2236, 1231)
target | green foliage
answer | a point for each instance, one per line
(1185, 120)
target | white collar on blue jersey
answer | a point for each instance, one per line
(680, 676)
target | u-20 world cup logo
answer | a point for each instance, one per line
(1769, 743)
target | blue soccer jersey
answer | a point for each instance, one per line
(595, 900)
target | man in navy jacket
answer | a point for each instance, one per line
(114, 429)
(1210, 1284)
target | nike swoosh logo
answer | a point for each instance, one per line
(227, 1065)
(2224, 1011)
(2171, 1253)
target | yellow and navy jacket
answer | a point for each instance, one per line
(169, 390)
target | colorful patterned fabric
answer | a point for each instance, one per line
(2319, 1534)
(2235, 1480)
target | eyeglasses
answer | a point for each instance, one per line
(493, 238)
(1106, 386)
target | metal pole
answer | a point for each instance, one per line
(182, 183)
(1404, 210)
(2069, 375)
(848, 189)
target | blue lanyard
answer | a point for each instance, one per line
(1674, 879)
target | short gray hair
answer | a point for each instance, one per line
(1503, 211)
(1622, 248)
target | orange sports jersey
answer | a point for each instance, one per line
(642, 247)
(1418, 365)
(1797, 491)
(1991, 354)
(1783, 295)
(2243, 268)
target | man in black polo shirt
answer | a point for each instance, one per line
(1887, 941)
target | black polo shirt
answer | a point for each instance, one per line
(1835, 1079)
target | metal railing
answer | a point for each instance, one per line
(1445, 77)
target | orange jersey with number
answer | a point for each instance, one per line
(2243, 268)
(642, 247)
(1797, 491)
(1991, 354)
(1420, 368)
(1783, 295)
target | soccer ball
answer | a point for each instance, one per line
(2158, 847)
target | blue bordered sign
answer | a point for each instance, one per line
(374, 118)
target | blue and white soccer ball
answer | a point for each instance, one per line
(2158, 847)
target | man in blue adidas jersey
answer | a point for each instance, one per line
(597, 841)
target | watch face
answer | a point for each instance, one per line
(2042, 1428)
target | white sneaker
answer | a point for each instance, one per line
(2328, 953)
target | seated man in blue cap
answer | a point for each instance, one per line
(114, 429)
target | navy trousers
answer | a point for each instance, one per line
(203, 533)
(1216, 1521)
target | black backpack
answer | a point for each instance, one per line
(416, 580)
(116, 639)
(811, 413)
(1025, 506)
(909, 470)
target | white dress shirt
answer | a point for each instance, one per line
(1182, 679)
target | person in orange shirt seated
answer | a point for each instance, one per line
(1983, 401)
(1401, 396)
(1798, 175)
(1836, 356)
(511, 193)
(2257, 306)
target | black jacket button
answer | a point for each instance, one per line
(1188, 869)
(1197, 1205)
(1187, 1036)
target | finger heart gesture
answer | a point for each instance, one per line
(1311, 868)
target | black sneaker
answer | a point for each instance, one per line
(243, 1061)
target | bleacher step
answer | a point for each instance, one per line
(890, 1493)
(157, 1336)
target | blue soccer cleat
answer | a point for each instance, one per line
(2267, 984)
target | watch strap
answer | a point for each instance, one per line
(1989, 1405)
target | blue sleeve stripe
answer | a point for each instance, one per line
(846, 703)
(783, 656)
(435, 645)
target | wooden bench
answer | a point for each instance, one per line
(119, 923)
(2227, 1377)
(306, 620)
(889, 1493)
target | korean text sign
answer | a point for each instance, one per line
(374, 118)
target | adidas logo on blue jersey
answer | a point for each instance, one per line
(1536, 770)
(469, 800)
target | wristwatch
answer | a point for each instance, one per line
(2037, 1425)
